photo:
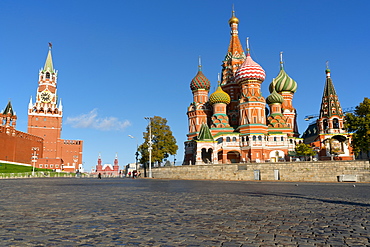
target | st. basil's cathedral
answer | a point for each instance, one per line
(234, 125)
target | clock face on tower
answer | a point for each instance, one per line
(45, 96)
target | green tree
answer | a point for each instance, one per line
(163, 142)
(358, 123)
(304, 150)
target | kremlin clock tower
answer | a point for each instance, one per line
(45, 121)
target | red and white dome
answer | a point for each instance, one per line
(249, 70)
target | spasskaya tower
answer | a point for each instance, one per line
(45, 120)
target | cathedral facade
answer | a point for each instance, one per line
(236, 124)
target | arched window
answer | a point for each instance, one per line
(227, 139)
(335, 123)
(47, 76)
(325, 123)
(260, 138)
(254, 138)
(274, 138)
(234, 139)
(282, 138)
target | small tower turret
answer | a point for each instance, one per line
(331, 114)
(219, 100)
(199, 111)
(286, 86)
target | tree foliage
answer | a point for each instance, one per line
(304, 150)
(163, 142)
(358, 123)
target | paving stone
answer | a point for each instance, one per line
(150, 212)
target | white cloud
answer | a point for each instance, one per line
(91, 120)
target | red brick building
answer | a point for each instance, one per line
(107, 169)
(45, 120)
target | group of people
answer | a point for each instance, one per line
(134, 174)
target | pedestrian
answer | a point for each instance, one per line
(99, 175)
(138, 174)
(129, 174)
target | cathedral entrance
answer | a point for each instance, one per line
(207, 155)
(233, 157)
(276, 156)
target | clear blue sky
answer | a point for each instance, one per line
(121, 61)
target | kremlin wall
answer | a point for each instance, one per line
(16, 146)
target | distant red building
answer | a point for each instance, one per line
(107, 169)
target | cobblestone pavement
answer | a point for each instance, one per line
(150, 212)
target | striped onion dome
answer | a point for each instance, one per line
(219, 96)
(200, 81)
(249, 70)
(274, 98)
(283, 82)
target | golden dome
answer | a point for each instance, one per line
(233, 19)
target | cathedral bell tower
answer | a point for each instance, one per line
(44, 115)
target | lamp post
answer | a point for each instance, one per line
(75, 161)
(34, 159)
(137, 150)
(150, 145)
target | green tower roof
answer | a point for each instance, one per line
(9, 109)
(205, 134)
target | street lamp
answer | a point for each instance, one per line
(137, 149)
(150, 145)
(34, 159)
(75, 159)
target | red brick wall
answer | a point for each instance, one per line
(17, 146)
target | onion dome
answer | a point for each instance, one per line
(283, 82)
(200, 81)
(219, 96)
(233, 19)
(274, 98)
(249, 70)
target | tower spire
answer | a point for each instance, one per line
(281, 60)
(327, 71)
(330, 105)
(199, 63)
(49, 61)
(247, 45)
